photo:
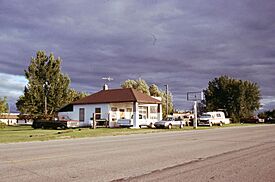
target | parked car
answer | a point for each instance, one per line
(63, 122)
(252, 119)
(130, 122)
(212, 118)
(169, 122)
(143, 121)
(270, 120)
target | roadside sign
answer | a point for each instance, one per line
(195, 96)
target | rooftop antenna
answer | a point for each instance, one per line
(107, 79)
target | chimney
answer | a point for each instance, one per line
(105, 87)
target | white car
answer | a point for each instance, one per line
(129, 122)
(169, 122)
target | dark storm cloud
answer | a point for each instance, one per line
(181, 43)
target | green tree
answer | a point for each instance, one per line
(4, 107)
(153, 90)
(139, 85)
(47, 89)
(129, 84)
(170, 103)
(75, 95)
(238, 98)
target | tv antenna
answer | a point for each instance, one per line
(107, 79)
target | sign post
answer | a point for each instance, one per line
(195, 96)
(195, 121)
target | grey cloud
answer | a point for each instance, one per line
(182, 43)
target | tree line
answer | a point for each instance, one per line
(48, 90)
(152, 90)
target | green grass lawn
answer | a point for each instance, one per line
(27, 133)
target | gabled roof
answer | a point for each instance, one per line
(116, 96)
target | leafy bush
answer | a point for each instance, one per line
(2, 125)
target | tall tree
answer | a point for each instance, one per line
(164, 97)
(4, 107)
(74, 95)
(237, 97)
(47, 89)
(154, 90)
(139, 85)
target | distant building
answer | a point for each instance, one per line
(12, 119)
(183, 115)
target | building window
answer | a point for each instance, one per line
(129, 109)
(81, 114)
(114, 109)
(143, 111)
(98, 113)
(153, 109)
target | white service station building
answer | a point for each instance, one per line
(114, 104)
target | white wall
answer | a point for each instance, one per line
(15, 122)
(106, 112)
(89, 111)
(9, 121)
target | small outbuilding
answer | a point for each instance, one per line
(13, 119)
(114, 104)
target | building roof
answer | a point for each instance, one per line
(9, 115)
(116, 96)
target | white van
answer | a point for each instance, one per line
(212, 118)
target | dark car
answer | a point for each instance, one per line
(270, 120)
(62, 123)
(252, 119)
(49, 124)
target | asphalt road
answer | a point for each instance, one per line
(223, 154)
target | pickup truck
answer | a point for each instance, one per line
(63, 122)
(143, 121)
(213, 118)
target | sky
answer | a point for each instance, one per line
(182, 43)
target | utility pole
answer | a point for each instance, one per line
(45, 85)
(167, 109)
(45, 105)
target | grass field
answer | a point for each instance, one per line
(27, 133)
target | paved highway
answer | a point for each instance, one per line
(222, 154)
